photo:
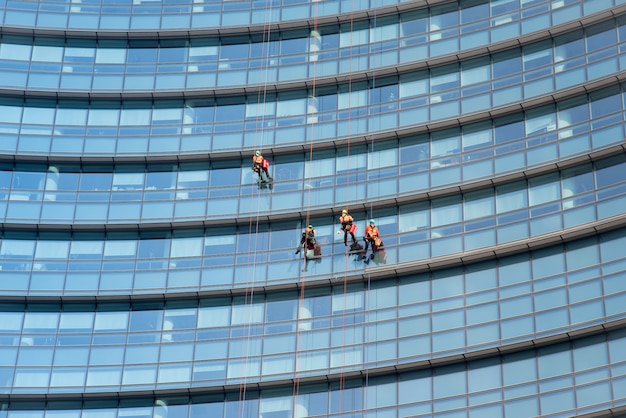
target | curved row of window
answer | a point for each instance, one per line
(131, 127)
(574, 377)
(107, 65)
(510, 17)
(217, 341)
(68, 193)
(150, 345)
(203, 259)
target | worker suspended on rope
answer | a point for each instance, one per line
(308, 239)
(372, 236)
(347, 226)
(260, 166)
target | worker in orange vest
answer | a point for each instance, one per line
(372, 236)
(346, 222)
(258, 165)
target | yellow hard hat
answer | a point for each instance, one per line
(344, 211)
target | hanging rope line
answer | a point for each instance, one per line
(373, 86)
(312, 115)
(348, 184)
(371, 213)
(253, 226)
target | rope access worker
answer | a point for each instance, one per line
(372, 236)
(259, 167)
(346, 222)
(307, 240)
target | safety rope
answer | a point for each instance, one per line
(371, 216)
(345, 272)
(311, 103)
(253, 227)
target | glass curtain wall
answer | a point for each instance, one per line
(146, 270)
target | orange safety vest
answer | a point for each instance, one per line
(371, 232)
(257, 159)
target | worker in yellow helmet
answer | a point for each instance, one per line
(308, 239)
(347, 223)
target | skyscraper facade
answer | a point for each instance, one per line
(146, 270)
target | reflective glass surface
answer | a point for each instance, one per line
(262, 253)
(529, 70)
(174, 190)
(145, 272)
(510, 18)
(190, 126)
(108, 346)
